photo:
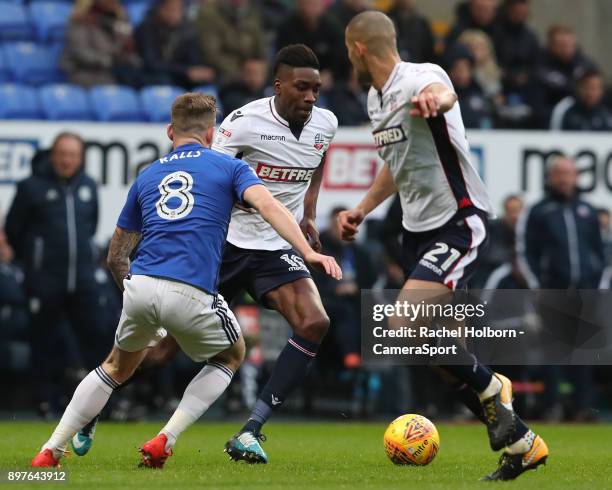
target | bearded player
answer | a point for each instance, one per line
(419, 133)
(284, 139)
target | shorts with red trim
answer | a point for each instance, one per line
(449, 254)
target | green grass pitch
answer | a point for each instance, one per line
(312, 456)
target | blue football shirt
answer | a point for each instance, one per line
(182, 205)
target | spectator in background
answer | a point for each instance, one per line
(322, 33)
(559, 246)
(585, 111)
(342, 298)
(391, 236)
(486, 71)
(13, 310)
(516, 46)
(476, 107)
(559, 237)
(170, 49)
(99, 47)
(415, 41)
(231, 31)
(51, 226)
(348, 101)
(603, 215)
(557, 70)
(345, 10)
(474, 14)
(502, 233)
(250, 86)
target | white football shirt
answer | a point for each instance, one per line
(429, 158)
(258, 135)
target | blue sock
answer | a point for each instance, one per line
(289, 371)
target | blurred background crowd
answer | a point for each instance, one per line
(506, 75)
(58, 304)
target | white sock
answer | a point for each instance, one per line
(522, 445)
(201, 393)
(494, 386)
(88, 400)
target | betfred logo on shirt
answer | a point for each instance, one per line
(272, 173)
(389, 136)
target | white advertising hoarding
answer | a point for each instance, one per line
(509, 162)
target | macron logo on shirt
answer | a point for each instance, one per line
(272, 173)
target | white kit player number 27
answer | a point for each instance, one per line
(185, 206)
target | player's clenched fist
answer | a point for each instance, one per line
(349, 222)
(324, 263)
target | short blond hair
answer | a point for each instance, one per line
(193, 112)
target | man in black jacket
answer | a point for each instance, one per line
(558, 238)
(169, 46)
(586, 110)
(557, 70)
(51, 225)
(559, 247)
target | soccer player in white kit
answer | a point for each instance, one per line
(418, 130)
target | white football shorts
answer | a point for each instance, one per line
(201, 323)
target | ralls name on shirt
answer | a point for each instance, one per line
(181, 155)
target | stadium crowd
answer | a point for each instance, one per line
(505, 77)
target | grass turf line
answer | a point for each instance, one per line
(311, 456)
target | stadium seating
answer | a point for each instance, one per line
(5, 75)
(116, 103)
(15, 23)
(157, 101)
(136, 11)
(65, 102)
(32, 63)
(18, 102)
(50, 19)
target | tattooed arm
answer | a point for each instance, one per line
(121, 247)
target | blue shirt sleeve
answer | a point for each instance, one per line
(244, 177)
(131, 214)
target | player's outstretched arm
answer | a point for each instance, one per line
(121, 247)
(382, 187)
(284, 223)
(433, 100)
(308, 223)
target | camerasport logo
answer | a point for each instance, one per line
(272, 173)
(319, 142)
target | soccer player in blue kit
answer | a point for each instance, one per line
(177, 213)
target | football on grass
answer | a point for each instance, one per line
(412, 440)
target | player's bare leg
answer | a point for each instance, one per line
(299, 302)
(90, 397)
(199, 395)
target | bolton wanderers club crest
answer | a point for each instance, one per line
(319, 142)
